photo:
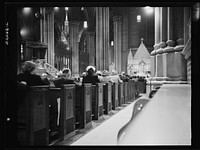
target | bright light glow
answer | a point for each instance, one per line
(85, 24)
(56, 8)
(112, 43)
(66, 8)
(138, 18)
(149, 10)
(26, 10)
(82, 8)
(23, 32)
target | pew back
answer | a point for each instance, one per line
(37, 116)
(114, 96)
(67, 113)
(120, 93)
(107, 97)
(86, 106)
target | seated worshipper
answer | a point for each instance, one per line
(99, 74)
(65, 78)
(29, 76)
(83, 75)
(106, 77)
(115, 77)
(90, 77)
(124, 77)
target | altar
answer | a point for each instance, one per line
(140, 63)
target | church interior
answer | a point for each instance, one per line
(155, 42)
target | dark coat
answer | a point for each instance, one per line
(31, 79)
(91, 79)
(60, 81)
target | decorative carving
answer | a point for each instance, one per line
(117, 19)
(180, 45)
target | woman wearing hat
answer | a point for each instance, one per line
(27, 78)
(106, 77)
(90, 77)
(65, 78)
(28, 75)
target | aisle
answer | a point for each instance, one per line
(106, 133)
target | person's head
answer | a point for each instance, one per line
(28, 67)
(105, 73)
(66, 72)
(122, 73)
(114, 72)
(84, 74)
(99, 73)
(90, 70)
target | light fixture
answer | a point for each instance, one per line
(85, 24)
(66, 8)
(112, 43)
(82, 8)
(23, 32)
(56, 8)
(149, 9)
(26, 10)
(138, 18)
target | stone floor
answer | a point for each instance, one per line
(81, 132)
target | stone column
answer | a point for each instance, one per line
(179, 22)
(99, 38)
(125, 38)
(106, 38)
(91, 48)
(170, 22)
(153, 60)
(168, 56)
(74, 33)
(163, 37)
(51, 38)
(47, 33)
(102, 38)
(117, 20)
(163, 24)
(157, 41)
(179, 61)
(159, 60)
(157, 25)
(180, 69)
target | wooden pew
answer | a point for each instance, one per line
(54, 113)
(66, 111)
(107, 97)
(78, 102)
(114, 95)
(86, 106)
(97, 101)
(125, 92)
(137, 89)
(128, 91)
(133, 90)
(142, 87)
(37, 116)
(120, 94)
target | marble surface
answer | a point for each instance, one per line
(165, 120)
(106, 132)
(83, 136)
